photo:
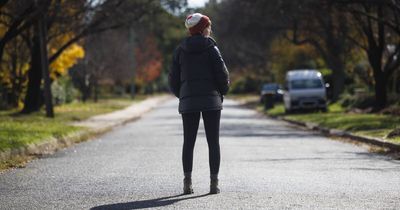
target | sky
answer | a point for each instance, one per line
(196, 3)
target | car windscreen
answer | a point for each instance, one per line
(305, 84)
(270, 87)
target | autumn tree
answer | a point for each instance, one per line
(16, 17)
(148, 61)
(67, 24)
(13, 74)
(72, 19)
(168, 31)
(111, 55)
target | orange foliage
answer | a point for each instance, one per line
(148, 61)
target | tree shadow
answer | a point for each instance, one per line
(151, 203)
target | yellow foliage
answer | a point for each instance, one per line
(5, 20)
(3, 30)
(6, 76)
(66, 60)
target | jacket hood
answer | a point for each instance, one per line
(197, 43)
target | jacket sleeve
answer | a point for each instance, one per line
(220, 71)
(174, 76)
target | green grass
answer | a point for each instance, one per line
(378, 133)
(19, 130)
(374, 125)
(349, 122)
(276, 110)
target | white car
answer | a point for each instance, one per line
(304, 89)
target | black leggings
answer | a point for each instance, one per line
(190, 126)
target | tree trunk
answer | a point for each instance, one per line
(2, 46)
(42, 30)
(338, 77)
(38, 70)
(95, 90)
(374, 57)
(334, 53)
(34, 99)
(380, 91)
(13, 100)
(85, 93)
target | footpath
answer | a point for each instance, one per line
(92, 127)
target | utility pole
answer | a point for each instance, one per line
(44, 62)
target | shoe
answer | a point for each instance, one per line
(187, 186)
(214, 186)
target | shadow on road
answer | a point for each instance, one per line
(151, 203)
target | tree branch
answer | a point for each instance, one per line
(16, 28)
(394, 26)
(3, 2)
(78, 37)
(393, 62)
(311, 41)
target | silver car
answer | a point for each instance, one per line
(304, 89)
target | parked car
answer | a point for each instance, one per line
(304, 89)
(271, 89)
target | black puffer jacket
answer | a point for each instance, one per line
(198, 76)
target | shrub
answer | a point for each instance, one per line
(359, 99)
(245, 85)
(63, 91)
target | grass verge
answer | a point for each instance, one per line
(15, 162)
(20, 130)
(374, 125)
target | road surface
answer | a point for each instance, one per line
(266, 164)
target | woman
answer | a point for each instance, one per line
(199, 79)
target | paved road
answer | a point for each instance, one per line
(266, 164)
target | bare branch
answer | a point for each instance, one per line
(393, 62)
